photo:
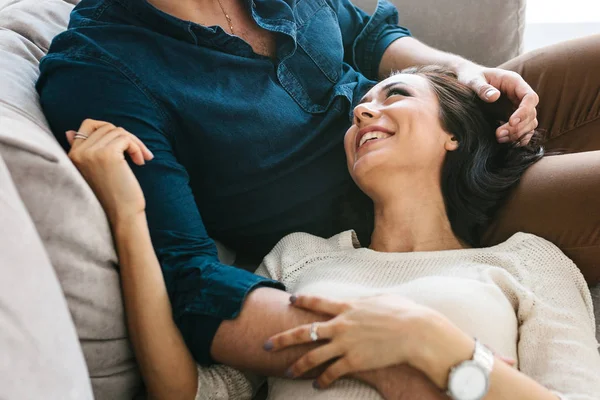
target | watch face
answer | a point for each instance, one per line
(468, 382)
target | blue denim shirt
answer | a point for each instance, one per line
(247, 148)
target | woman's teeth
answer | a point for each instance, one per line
(372, 136)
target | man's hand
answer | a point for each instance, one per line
(492, 83)
(401, 382)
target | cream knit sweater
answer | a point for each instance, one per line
(524, 298)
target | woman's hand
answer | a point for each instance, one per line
(489, 84)
(98, 151)
(365, 334)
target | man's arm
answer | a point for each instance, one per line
(365, 38)
(203, 292)
(409, 52)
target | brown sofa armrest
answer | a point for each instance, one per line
(559, 200)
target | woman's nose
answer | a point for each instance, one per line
(365, 112)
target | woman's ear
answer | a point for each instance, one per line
(451, 143)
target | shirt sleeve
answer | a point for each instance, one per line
(367, 37)
(203, 292)
(557, 344)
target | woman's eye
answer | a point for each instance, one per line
(398, 91)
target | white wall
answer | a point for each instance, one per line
(551, 21)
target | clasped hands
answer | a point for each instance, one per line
(372, 333)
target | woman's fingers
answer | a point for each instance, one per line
(90, 126)
(320, 305)
(508, 360)
(104, 140)
(100, 134)
(338, 369)
(102, 137)
(126, 143)
(145, 151)
(85, 140)
(313, 359)
(298, 335)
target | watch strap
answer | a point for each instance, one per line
(483, 356)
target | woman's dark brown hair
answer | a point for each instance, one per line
(478, 176)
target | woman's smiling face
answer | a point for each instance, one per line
(397, 127)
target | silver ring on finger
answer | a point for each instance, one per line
(314, 335)
(80, 136)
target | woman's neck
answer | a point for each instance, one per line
(412, 217)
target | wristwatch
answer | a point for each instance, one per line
(470, 380)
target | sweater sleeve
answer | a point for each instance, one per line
(220, 382)
(557, 344)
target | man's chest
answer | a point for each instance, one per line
(245, 26)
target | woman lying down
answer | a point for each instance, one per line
(423, 148)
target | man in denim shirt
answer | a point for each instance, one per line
(244, 105)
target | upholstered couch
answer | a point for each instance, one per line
(59, 268)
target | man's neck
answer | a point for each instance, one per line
(197, 11)
(412, 217)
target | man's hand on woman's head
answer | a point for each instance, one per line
(492, 83)
(98, 150)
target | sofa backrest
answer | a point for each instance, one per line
(488, 32)
(40, 357)
(68, 217)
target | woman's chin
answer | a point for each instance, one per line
(365, 165)
(373, 155)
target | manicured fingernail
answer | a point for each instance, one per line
(503, 133)
(316, 385)
(503, 139)
(289, 373)
(151, 154)
(268, 346)
(516, 121)
(293, 299)
(490, 93)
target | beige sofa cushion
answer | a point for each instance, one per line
(488, 32)
(67, 215)
(40, 357)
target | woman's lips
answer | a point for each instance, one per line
(369, 129)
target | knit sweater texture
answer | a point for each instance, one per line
(524, 298)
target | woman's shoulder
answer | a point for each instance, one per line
(296, 248)
(538, 255)
(528, 244)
